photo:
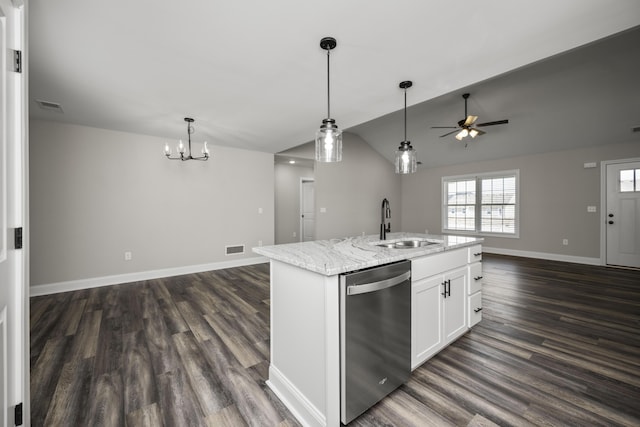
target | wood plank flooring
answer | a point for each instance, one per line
(559, 344)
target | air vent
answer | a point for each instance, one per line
(234, 250)
(49, 106)
(635, 129)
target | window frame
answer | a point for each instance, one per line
(478, 177)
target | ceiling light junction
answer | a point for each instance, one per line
(406, 155)
(184, 152)
(328, 137)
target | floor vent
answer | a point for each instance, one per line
(234, 250)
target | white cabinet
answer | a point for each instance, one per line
(426, 319)
(475, 285)
(455, 304)
(438, 302)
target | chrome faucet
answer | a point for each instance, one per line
(385, 224)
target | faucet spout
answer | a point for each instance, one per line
(385, 224)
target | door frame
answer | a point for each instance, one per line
(603, 203)
(300, 222)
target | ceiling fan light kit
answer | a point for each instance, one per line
(406, 161)
(329, 136)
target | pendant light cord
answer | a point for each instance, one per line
(405, 114)
(328, 86)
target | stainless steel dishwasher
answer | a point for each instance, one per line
(375, 335)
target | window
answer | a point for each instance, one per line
(630, 180)
(481, 204)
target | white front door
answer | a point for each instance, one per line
(307, 210)
(14, 369)
(623, 214)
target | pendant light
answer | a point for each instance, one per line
(406, 155)
(182, 150)
(328, 137)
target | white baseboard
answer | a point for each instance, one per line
(95, 282)
(304, 411)
(543, 255)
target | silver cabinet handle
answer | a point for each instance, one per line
(376, 286)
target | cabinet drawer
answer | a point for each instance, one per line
(437, 263)
(475, 253)
(475, 308)
(475, 278)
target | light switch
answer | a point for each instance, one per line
(259, 210)
(323, 210)
(591, 209)
(590, 165)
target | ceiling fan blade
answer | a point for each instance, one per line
(497, 122)
(470, 120)
(444, 127)
(447, 134)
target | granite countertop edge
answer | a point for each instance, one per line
(336, 256)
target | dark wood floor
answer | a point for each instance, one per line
(559, 344)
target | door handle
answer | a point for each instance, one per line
(610, 222)
(444, 292)
(477, 310)
(477, 278)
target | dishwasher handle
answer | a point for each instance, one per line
(376, 286)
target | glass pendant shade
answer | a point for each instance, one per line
(329, 142)
(462, 134)
(406, 159)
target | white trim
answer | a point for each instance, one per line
(603, 203)
(543, 255)
(295, 401)
(95, 282)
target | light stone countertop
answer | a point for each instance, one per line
(336, 256)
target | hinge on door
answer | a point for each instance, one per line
(17, 238)
(18, 414)
(17, 61)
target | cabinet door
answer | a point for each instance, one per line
(426, 319)
(455, 304)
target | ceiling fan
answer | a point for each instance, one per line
(466, 126)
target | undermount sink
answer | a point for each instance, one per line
(407, 244)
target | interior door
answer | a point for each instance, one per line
(307, 210)
(13, 296)
(623, 214)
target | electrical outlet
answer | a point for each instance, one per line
(565, 242)
(323, 210)
(295, 234)
(591, 209)
(259, 210)
(128, 256)
(259, 242)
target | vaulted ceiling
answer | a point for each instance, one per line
(254, 77)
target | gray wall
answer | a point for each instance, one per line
(351, 191)
(287, 201)
(555, 190)
(97, 193)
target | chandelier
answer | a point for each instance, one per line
(184, 152)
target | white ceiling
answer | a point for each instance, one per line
(253, 76)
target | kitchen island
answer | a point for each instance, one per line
(304, 369)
